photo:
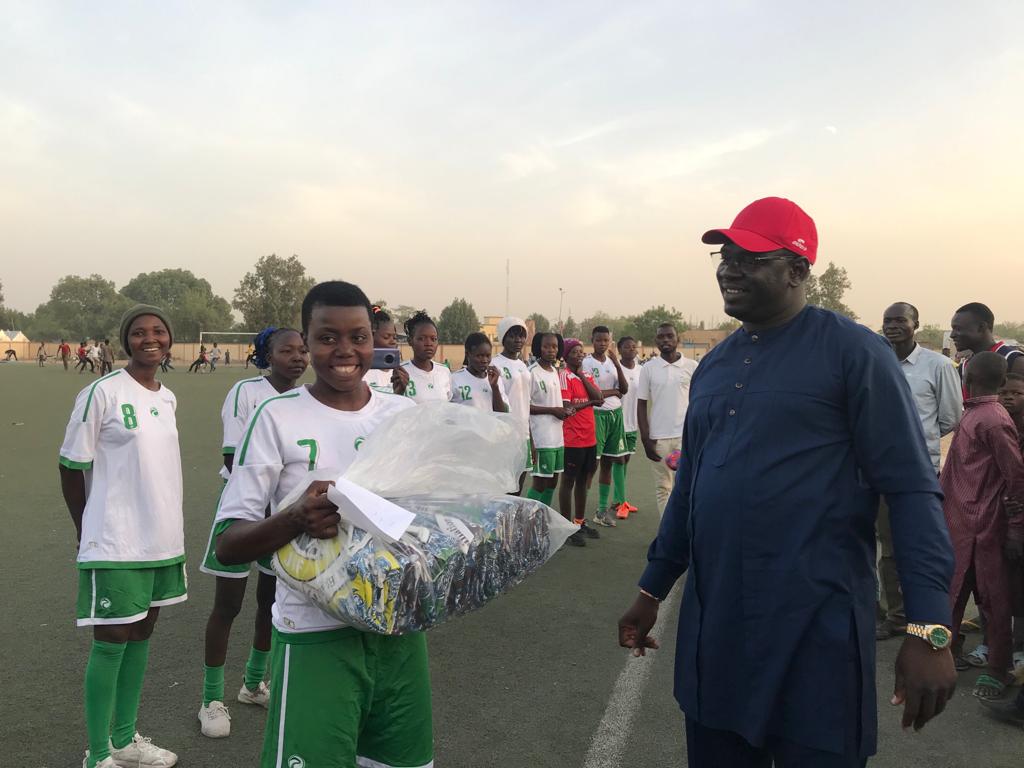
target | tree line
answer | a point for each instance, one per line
(271, 294)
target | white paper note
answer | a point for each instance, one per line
(368, 511)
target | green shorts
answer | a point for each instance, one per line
(631, 438)
(550, 462)
(215, 567)
(611, 435)
(344, 697)
(125, 595)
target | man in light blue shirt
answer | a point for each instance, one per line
(938, 397)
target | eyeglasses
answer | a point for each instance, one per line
(745, 260)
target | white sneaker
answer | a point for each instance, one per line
(214, 720)
(105, 763)
(142, 753)
(260, 697)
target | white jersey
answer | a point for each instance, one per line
(426, 386)
(546, 390)
(475, 391)
(125, 438)
(515, 381)
(666, 386)
(288, 436)
(606, 377)
(240, 403)
(629, 399)
(380, 381)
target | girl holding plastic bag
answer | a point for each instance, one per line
(342, 686)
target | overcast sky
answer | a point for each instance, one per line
(413, 148)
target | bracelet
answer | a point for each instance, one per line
(648, 594)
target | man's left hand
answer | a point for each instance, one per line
(925, 681)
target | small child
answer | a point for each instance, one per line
(478, 385)
(581, 394)
(983, 468)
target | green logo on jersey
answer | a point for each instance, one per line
(154, 411)
(359, 442)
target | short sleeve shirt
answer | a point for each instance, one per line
(666, 387)
(607, 377)
(287, 437)
(515, 381)
(124, 437)
(629, 399)
(579, 429)
(474, 391)
(546, 390)
(427, 386)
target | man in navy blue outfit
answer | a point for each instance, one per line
(797, 423)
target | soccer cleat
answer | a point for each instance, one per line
(107, 762)
(587, 531)
(630, 507)
(576, 540)
(601, 518)
(214, 720)
(260, 697)
(141, 752)
(622, 511)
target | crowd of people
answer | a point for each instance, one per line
(774, 460)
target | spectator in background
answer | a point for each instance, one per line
(250, 351)
(971, 332)
(227, 357)
(200, 361)
(106, 357)
(64, 353)
(83, 358)
(41, 355)
(92, 353)
(662, 398)
(214, 357)
(935, 386)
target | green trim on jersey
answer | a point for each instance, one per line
(228, 450)
(82, 465)
(238, 389)
(92, 391)
(255, 417)
(134, 564)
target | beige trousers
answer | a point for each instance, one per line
(663, 476)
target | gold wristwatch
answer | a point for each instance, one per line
(936, 635)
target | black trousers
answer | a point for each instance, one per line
(710, 748)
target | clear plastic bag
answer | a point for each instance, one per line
(468, 541)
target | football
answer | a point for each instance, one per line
(672, 460)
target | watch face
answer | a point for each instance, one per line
(939, 637)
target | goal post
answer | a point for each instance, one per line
(228, 337)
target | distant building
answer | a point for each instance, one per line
(697, 343)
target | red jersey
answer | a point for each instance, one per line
(578, 429)
(64, 350)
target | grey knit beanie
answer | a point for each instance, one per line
(137, 311)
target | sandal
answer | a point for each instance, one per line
(1018, 661)
(979, 656)
(971, 625)
(961, 663)
(987, 688)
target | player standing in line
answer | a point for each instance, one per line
(64, 353)
(338, 696)
(547, 412)
(283, 351)
(611, 434)
(385, 336)
(428, 381)
(128, 521)
(515, 379)
(631, 370)
(107, 357)
(478, 385)
(581, 394)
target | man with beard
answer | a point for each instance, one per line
(786, 447)
(935, 386)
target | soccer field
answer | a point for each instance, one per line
(534, 679)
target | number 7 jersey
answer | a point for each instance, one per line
(124, 437)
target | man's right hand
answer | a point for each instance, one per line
(636, 623)
(314, 513)
(651, 450)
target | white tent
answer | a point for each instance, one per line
(13, 336)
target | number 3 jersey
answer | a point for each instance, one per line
(125, 439)
(287, 437)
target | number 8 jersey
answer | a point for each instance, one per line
(125, 438)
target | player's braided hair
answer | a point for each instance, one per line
(420, 318)
(264, 345)
(538, 340)
(378, 316)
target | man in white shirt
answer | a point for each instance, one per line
(935, 384)
(665, 390)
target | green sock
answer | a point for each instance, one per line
(547, 496)
(213, 684)
(129, 691)
(602, 496)
(100, 685)
(533, 493)
(619, 481)
(255, 668)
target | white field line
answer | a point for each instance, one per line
(612, 733)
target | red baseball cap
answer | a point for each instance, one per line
(769, 224)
